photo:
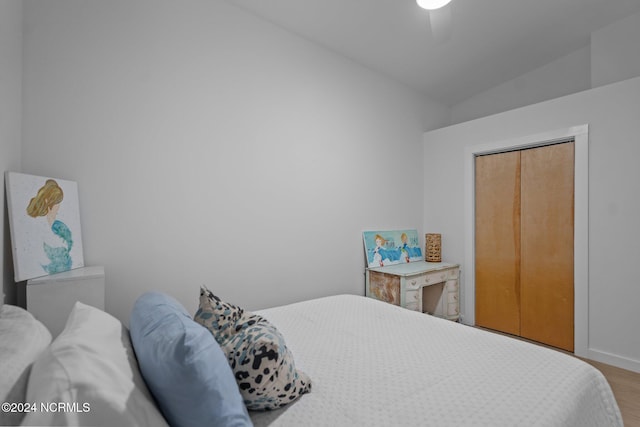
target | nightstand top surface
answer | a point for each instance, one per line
(411, 268)
(70, 275)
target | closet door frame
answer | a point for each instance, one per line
(580, 136)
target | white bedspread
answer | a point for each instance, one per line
(375, 364)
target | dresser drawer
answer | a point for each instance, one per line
(432, 278)
(411, 297)
(414, 282)
(452, 297)
(412, 306)
(452, 309)
(452, 286)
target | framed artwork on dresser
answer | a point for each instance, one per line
(388, 247)
(44, 221)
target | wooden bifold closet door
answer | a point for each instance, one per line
(524, 243)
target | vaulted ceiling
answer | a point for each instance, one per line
(486, 42)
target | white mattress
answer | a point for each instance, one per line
(375, 364)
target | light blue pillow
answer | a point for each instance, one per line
(183, 365)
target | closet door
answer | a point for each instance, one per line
(497, 241)
(547, 304)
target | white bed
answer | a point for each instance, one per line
(375, 364)
(370, 364)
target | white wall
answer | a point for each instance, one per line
(566, 75)
(10, 122)
(211, 147)
(615, 51)
(614, 181)
(612, 55)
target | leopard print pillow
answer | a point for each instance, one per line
(261, 362)
(219, 317)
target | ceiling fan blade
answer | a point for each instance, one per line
(441, 24)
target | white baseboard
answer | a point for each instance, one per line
(612, 359)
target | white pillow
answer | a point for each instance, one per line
(91, 368)
(22, 340)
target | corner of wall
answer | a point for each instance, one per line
(615, 51)
(11, 45)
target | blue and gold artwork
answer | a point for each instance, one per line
(391, 247)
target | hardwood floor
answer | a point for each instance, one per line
(626, 388)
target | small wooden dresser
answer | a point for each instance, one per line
(428, 287)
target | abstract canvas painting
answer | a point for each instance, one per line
(44, 221)
(391, 247)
